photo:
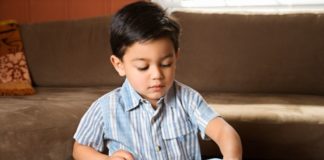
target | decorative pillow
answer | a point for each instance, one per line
(14, 74)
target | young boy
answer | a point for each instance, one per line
(152, 116)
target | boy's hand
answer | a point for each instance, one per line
(82, 152)
(121, 155)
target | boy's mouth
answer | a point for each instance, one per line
(157, 87)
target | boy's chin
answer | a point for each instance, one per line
(155, 96)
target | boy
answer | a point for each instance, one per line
(152, 116)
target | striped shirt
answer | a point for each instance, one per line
(122, 119)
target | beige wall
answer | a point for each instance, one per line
(31, 11)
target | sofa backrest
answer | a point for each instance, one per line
(70, 53)
(278, 53)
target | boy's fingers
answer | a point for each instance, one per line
(124, 154)
(120, 158)
(117, 158)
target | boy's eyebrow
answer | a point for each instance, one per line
(170, 55)
(165, 57)
(139, 59)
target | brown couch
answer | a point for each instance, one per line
(263, 73)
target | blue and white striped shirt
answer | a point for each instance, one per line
(122, 119)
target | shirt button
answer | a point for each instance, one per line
(154, 119)
(158, 148)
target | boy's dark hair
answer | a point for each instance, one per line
(140, 22)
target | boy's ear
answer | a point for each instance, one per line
(118, 65)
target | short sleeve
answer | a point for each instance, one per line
(199, 111)
(203, 115)
(90, 130)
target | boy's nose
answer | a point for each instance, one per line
(157, 73)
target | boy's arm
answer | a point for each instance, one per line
(226, 138)
(82, 152)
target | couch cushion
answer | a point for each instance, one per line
(256, 53)
(70, 53)
(41, 126)
(269, 108)
(273, 126)
(46, 122)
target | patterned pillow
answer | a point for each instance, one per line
(14, 74)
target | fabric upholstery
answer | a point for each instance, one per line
(274, 126)
(263, 121)
(70, 53)
(274, 53)
(263, 73)
(41, 126)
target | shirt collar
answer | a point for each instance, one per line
(170, 98)
(132, 99)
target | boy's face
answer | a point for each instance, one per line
(149, 67)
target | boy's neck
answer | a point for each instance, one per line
(153, 103)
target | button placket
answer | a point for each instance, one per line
(156, 130)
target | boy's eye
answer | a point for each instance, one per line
(142, 68)
(166, 65)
